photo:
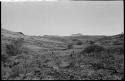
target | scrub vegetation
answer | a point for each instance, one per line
(61, 58)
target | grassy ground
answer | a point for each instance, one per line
(62, 58)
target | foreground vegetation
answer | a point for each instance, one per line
(96, 61)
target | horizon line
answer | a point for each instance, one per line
(81, 34)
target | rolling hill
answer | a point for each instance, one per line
(79, 57)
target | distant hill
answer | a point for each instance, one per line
(50, 40)
(112, 40)
(46, 39)
(78, 34)
(8, 33)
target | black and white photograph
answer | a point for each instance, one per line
(62, 39)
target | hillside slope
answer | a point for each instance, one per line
(61, 57)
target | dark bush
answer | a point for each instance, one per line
(70, 46)
(93, 48)
(15, 47)
(77, 42)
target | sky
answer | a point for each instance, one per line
(63, 17)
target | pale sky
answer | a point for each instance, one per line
(63, 18)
